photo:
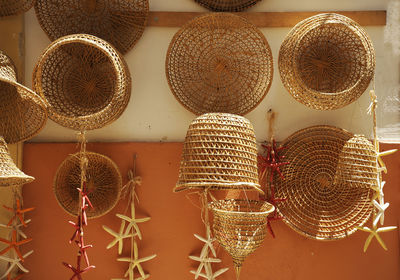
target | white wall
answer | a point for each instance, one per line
(154, 115)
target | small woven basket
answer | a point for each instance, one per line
(240, 226)
(23, 113)
(14, 7)
(119, 22)
(321, 204)
(326, 61)
(104, 183)
(219, 63)
(10, 175)
(220, 152)
(85, 81)
(227, 5)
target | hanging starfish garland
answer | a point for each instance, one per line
(133, 221)
(119, 237)
(14, 262)
(18, 213)
(14, 244)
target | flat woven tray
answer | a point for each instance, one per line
(14, 7)
(227, 5)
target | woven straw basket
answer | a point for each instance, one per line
(85, 81)
(326, 61)
(327, 183)
(104, 184)
(119, 22)
(240, 226)
(219, 63)
(227, 5)
(10, 175)
(220, 152)
(23, 113)
(14, 7)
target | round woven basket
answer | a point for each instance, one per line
(220, 152)
(14, 7)
(227, 5)
(321, 204)
(10, 175)
(120, 22)
(85, 81)
(327, 61)
(104, 184)
(240, 226)
(23, 113)
(219, 63)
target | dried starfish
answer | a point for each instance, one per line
(18, 213)
(118, 237)
(14, 244)
(133, 221)
(14, 262)
(17, 228)
(374, 232)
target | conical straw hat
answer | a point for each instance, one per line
(10, 175)
(14, 7)
(23, 113)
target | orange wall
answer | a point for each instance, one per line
(174, 221)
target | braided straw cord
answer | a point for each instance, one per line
(326, 61)
(219, 63)
(220, 152)
(85, 81)
(103, 178)
(325, 200)
(121, 22)
(23, 113)
(14, 7)
(227, 5)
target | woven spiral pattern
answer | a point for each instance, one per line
(227, 5)
(240, 226)
(10, 175)
(327, 61)
(14, 7)
(320, 204)
(23, 113)
(104, 184)
(219, 152)
(120, 22)
(85, 81)
(219, 63)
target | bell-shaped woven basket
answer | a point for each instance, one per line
(240, 227)
(227, 5)
(104, 183)
(327, 61)
(10, 175)
(85, 81)
(219, 63)
(14, 7)
(120, 22)
(220, 152)
(23, 113)
(328, 191)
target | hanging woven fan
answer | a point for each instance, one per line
(85, 81)
(120, 22)
(23, 113)
(14, 7)
(104, 184)
(327, 61)
(327, 182)
(227, 5)
(219, 63)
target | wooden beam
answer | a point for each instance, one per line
(267, 19)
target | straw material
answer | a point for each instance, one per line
(322, 203)
(14, 7)
(327, 61)
(227, 5)
(104, 183)
(240, 226)
(10, 175)
(120, 22)
(220, 152)
(219, 63)
(23, 113)
(85, 81)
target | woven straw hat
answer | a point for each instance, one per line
(23, 113)
(10, 175)
(220, 152)
(325, 201)
(120, 22)
(240, 226)
(327, 61)
(104, 184)
(85, 81)
(14, 7)
(227, 5)
(219, 63)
